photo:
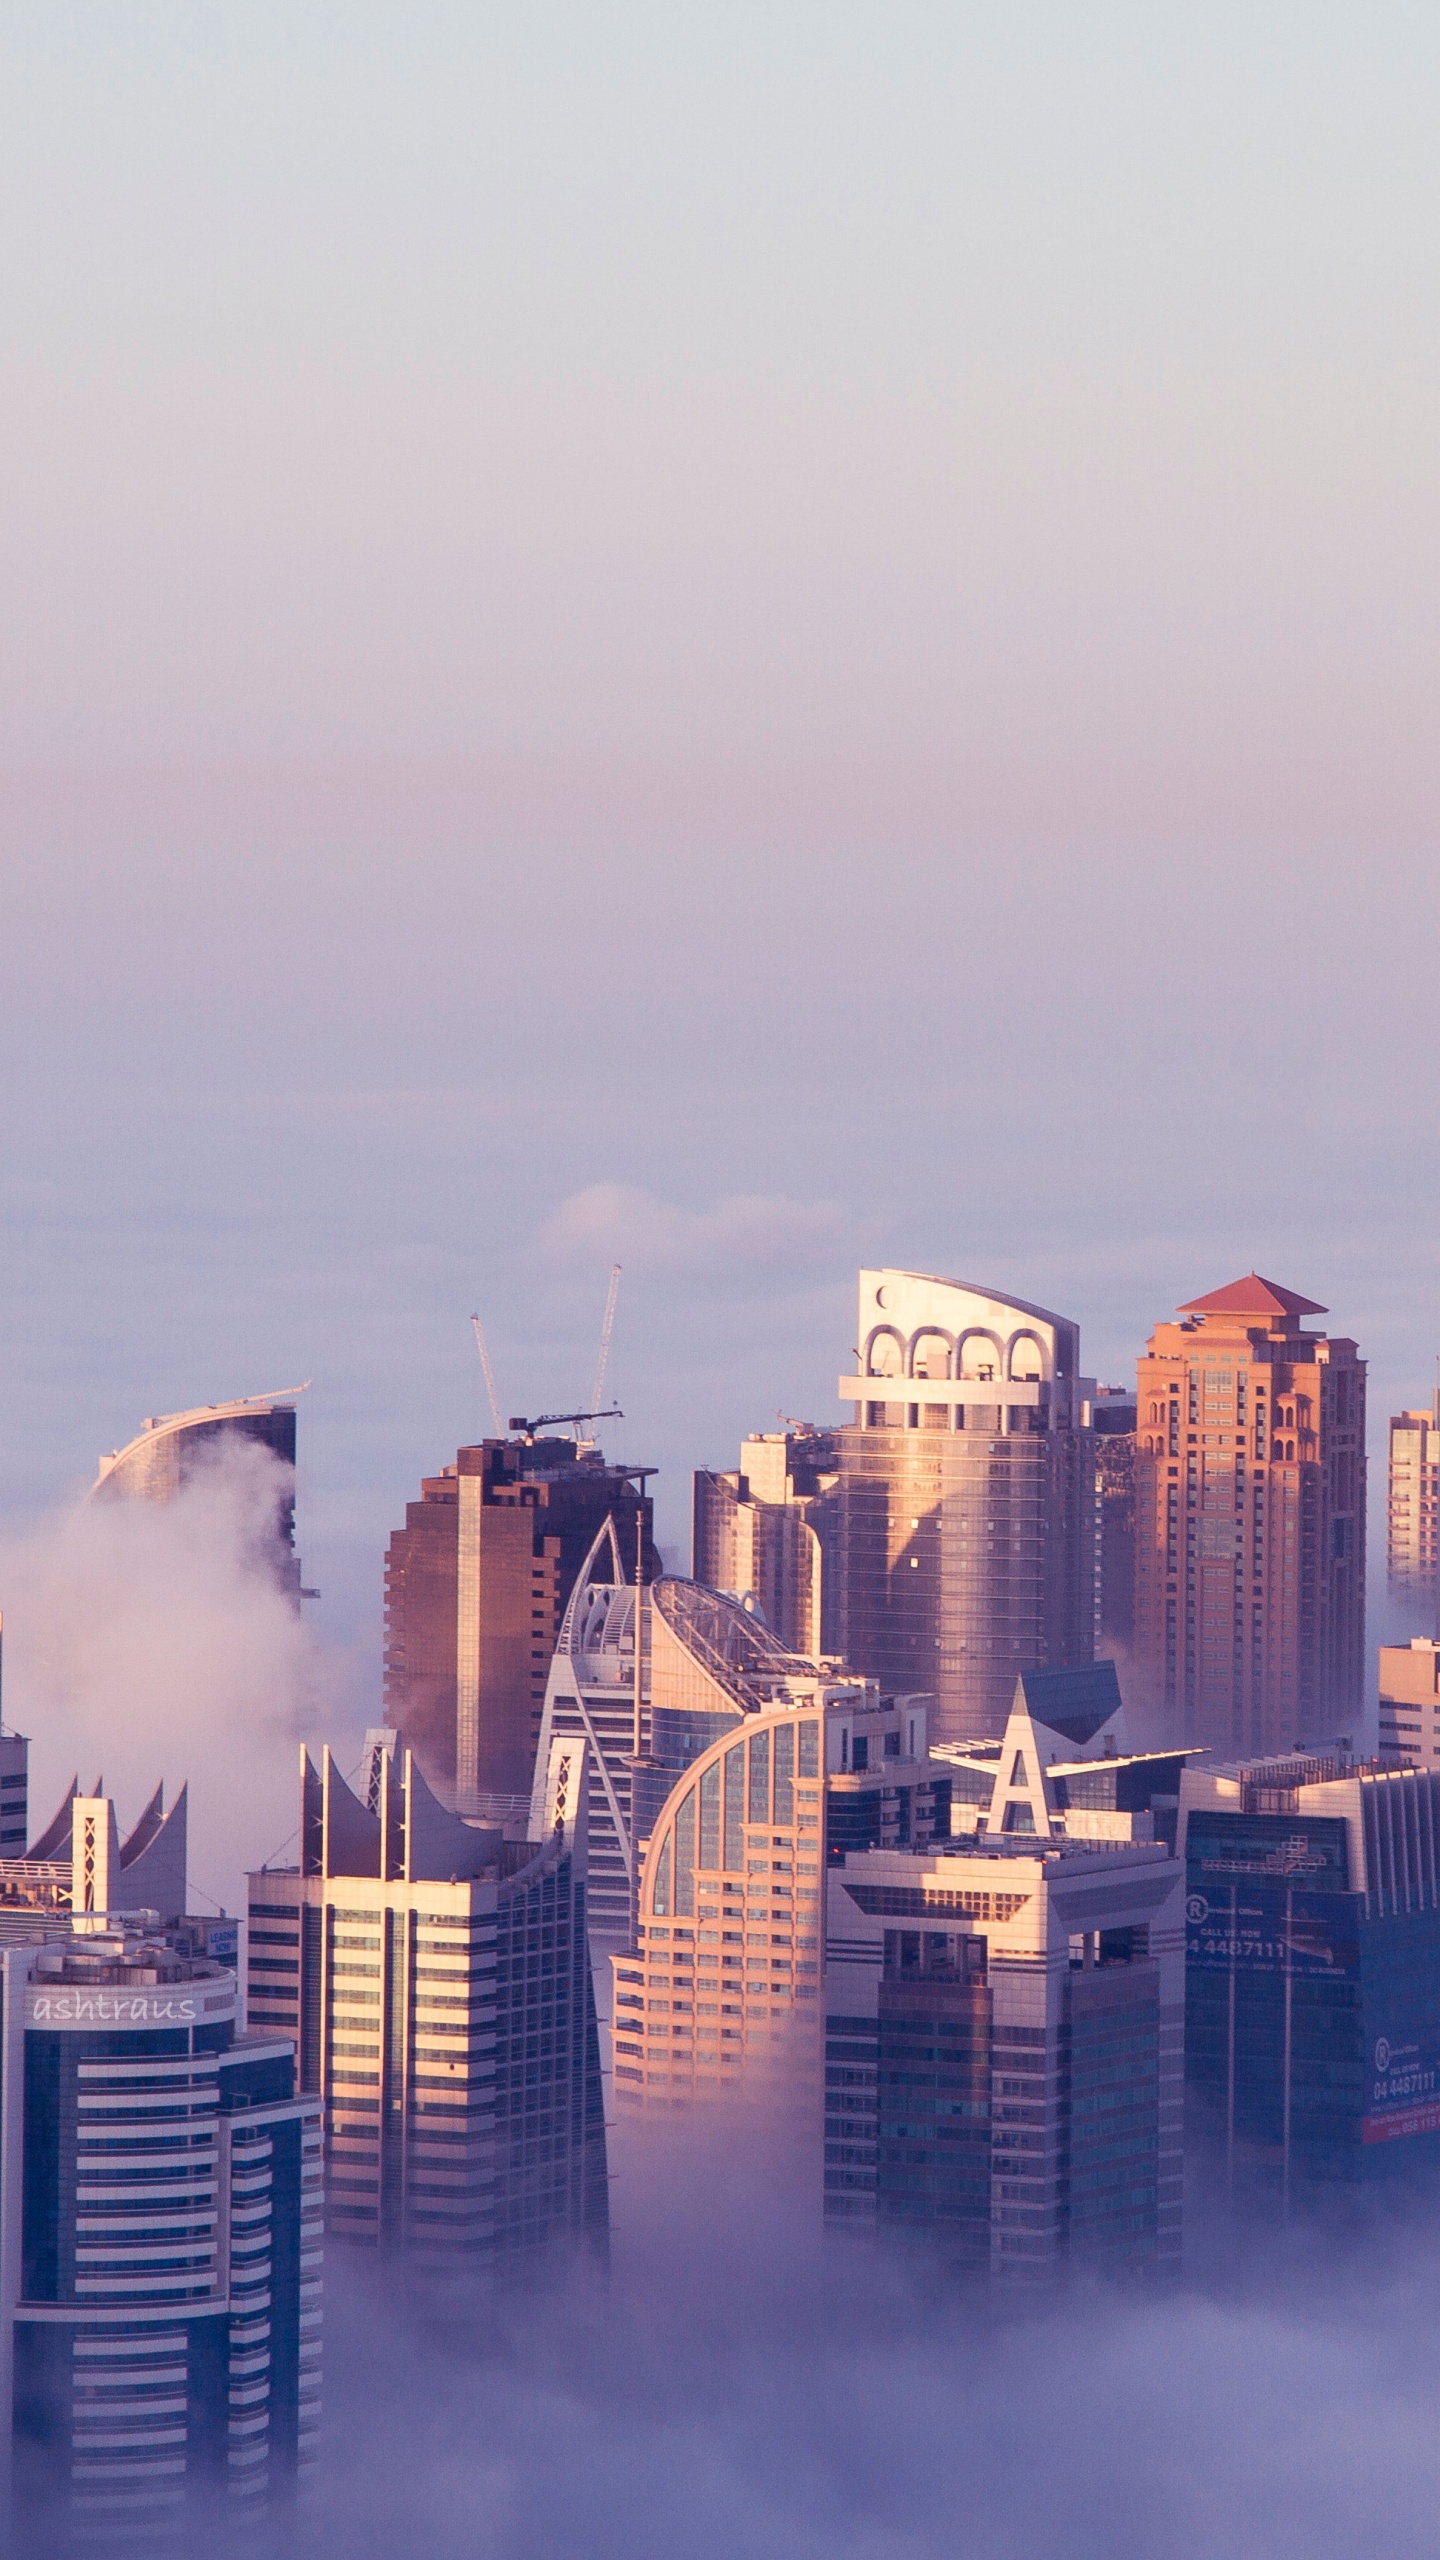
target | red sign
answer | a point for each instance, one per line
(1424, 2119)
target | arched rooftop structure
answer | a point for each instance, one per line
(154, 1463)
(172, 1448)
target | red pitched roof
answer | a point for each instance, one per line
(1252, 1296)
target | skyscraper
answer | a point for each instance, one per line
(159, 2254)
(1002, 2010)
(1313, 1971)
(1412, 1527)
(1250, 1524)
(476, 1585)
(434, 1977)
(705, 1664)
(172, 1450)
(764, 1530)
(965, 1547)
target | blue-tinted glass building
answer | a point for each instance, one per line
(1312, 1972)
(159, 2251)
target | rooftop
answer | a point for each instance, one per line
(111, 1962)
(1252, 1296)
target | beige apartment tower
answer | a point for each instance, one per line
(1249, 1524)
(762, 1531)
(1412, 1524)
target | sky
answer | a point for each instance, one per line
(739, 641)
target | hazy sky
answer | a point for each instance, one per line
(742, 640)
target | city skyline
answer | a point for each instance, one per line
(773, 671)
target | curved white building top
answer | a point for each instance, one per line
(960, 1344)
(170, 1426)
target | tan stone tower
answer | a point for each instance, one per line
(1250, 1524)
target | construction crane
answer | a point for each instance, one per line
(489, 1373)
(528, 1429)
(606, 1329)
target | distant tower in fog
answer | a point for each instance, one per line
(1412, 1536)
(172, 1449)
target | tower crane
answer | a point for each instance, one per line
(528, 1427)
(489, 1373)
(606, 1329)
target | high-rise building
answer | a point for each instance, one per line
(705, 1663)
(1002, 2010)
(1313, 1971)
(1250, 1524)
(764, 1532)
(476, 1586)
(1410, 1703)
(172, 1450)
(160, 2249)
(965, 1549)
(1412, 1529)
(435, 1979)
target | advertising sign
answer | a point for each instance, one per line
(1268, 1928)
(1402, 2087)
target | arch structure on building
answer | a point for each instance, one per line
(927, 1348)
(708, 1666)
(590, 1693)
(153, 1464)
(739, 1840)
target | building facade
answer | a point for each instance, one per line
(476, 1587)
(1410, 1703)
(966, 1493)
(1312, 1973)
(435, 1979)
(1250, 1524)
(1005, 2053)
(172, 1450)
(706, 1662)
(980, 2036)
(160, 2251)
(1412, 1521)
(766, 1532)
(1112, 1415)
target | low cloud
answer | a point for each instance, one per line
(619, 1222)
(148, 1641)
(738, 2389)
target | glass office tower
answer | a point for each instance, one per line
(964, 1549)
(1312, 1972)
(160, 2250)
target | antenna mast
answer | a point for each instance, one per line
(606, 1329)
(489, 1375)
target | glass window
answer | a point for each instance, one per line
(759, 1777)
(685, 1853)
(661, 1897)
(784, 1773)
(735, 1806)
(710, 1817)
